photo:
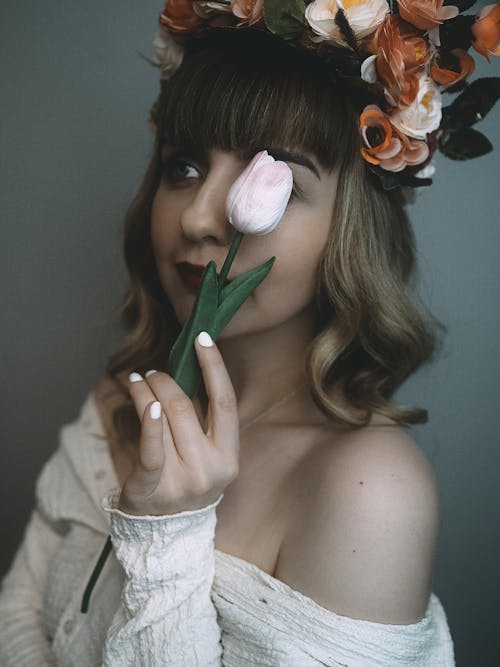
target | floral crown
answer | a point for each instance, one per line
(396, 57)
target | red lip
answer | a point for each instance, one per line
(191, 274)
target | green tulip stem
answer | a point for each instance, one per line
(214, 307)
(229, 259)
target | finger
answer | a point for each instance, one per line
(223, 413)
(152, 451)
(143, 396)
(184, 425)
(141, 393)
(146, 475)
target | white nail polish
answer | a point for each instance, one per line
(148, 373)
(135, 377)
(155, 410)
(205, 339)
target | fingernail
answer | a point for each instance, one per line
(155, 410)
(135, 377)
(148, 373)
(205, 339)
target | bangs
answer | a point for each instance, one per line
(241, 89)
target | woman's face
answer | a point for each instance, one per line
(189, 224)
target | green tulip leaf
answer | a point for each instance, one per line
(183, 362)
(234, 294)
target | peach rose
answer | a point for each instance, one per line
(179, 16)
(461, 66)
(250, 12)
(363, 16)
(486, 31)
(412, 152)
(423, 115)
(401, 52)
(385, 146)
(426, 14)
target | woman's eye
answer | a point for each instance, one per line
(175, 169)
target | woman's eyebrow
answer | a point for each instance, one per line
(286, 156)
(248, 154)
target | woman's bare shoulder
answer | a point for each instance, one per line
(365, 542)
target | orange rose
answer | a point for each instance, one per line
(387, 147)
(376, 131)
(448, 68)
(426, 14)
(250, 11)
(179, 16)
(401, 52)
(486, 31)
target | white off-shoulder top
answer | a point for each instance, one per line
(166, 596)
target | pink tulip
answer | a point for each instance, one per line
(257, 199)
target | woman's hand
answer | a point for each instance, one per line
(180, 467)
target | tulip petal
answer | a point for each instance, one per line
(240, 181)
(257, 199)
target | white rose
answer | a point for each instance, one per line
(424, 113)
(169, 54)
(364, 16)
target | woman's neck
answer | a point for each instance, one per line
(265, 366)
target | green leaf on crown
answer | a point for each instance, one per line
(472, 105)
(464, 144)
(390, 180)
(456, 33)
(285, 18)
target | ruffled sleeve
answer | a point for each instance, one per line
(166, 615)
(22, 638)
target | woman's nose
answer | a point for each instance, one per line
(205, 219)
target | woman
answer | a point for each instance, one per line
(301, 527)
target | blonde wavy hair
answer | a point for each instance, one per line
(247, 88)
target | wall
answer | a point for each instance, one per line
(75, 142)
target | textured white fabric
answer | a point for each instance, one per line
(165, 595)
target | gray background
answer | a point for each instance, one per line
(75, 142)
